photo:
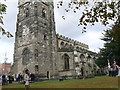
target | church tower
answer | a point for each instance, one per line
(35, 40)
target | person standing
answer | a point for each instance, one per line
(112, 72)
(32, 77)
(118, 71)
(26, 79)
(109, 71)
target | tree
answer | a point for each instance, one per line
(94, 11)
(111, 48)
(2, 30)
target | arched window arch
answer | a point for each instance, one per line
(26, 56)
(36, 54)
(62, 44)
(27, 12)
(71, 47)
(66, 62)
(77, 48)
(45, 37)
(82, 58)
(89, 59)
(43, 12)
(66, 45)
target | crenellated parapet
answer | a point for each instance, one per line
(62, 40)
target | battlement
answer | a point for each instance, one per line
(74, 42)
(21, 2)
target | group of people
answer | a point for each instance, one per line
(114, 72)
(7, 79)
(20, 78)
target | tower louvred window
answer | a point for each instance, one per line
(36, 53)
(43, 12)
(27, 12)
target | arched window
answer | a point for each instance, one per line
(77, 48)
(82, 58)
(45, 37)
(36, 68)
(43, 12)
(62, 44)
(26, 56)
(36, 11)
(36, 54)
(71, 47)
(66, 45)
(89, 59)
(66, 61)
(27, 12)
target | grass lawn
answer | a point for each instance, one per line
(97, 82)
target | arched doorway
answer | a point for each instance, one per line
(48, 74)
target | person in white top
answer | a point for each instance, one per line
(26, 79)
(118, 70)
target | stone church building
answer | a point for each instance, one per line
(43, 52)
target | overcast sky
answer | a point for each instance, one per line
(68, 27)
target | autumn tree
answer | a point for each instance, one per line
(2, 30)
(94, 11)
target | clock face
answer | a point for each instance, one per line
(25, 30)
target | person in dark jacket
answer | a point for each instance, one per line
(3, 79)
(32, 76)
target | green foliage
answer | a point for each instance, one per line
(2, 30)
(111, 48)
(95, 12)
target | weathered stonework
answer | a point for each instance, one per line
(42, 51)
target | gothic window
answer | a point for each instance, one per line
(82, 58)
(66, 61)
(77, 48)
(27, 12)
(43, 12)
(71, 47)
(36, 68)
(36, 12)
(45, 37)
(89, 59)
(36, 54)
(26, 56)
(62, 44)
(66, 45)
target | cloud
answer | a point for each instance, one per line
(92, 38)
(7, 44)
(68, 27)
